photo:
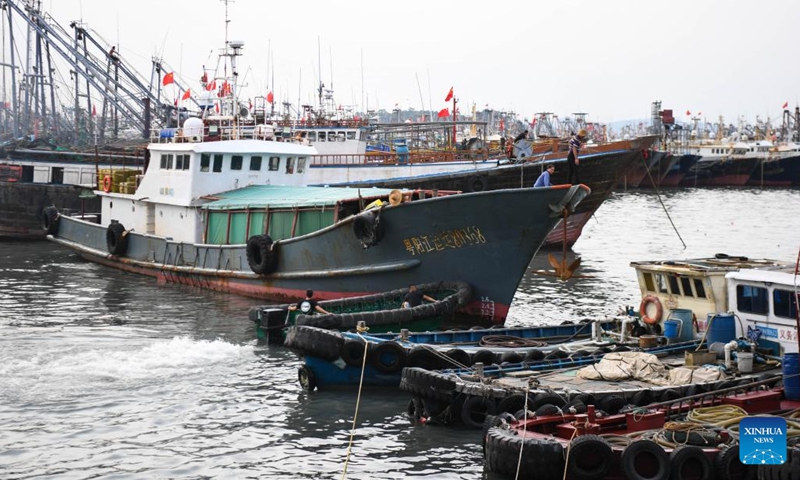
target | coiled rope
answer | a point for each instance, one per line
(510, 341)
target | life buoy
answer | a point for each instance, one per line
(590, 457)
(262, 255)
(107, 183)
(116, 238)
(368, 229)
(50, 217)
(645, 459)
(651, 299)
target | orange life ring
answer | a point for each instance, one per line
(643, 309)
(107, 183)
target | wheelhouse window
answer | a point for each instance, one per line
(686, 285)
(255, 164)
(274, 164)
(321, 137)
(699, 289)
(166, 161)
(217, 162)
(784, 303)
(290, 165)
(301, 164)
(205, 162)
(236, 162)
(331, 136)
(673, 285)
(661, 283)
(312, 136)
(752, 299)
(649, 284)
(182, 162)
(351, 135)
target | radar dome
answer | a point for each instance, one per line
(192, 127)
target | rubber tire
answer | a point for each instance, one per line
(511, 357)
(423, 358)
(459, 357)
(478, 184)
(315, 342)
(262, 255)
(475, 409)
(590, 458)
(487, 357)
(687, 456)
(513, 403)
(307, 379)
(388, 357)
(546, 398)
(368, 228)
(414, 410)
(644, 453)
(50, 220)
(727, 466)
(352, 352)
(541, 459)
(116, 239)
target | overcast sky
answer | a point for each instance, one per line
(608, 58)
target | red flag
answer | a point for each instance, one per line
(270, 97)
(187, 94)
(216, 107)
(449, 95)
(168, 78)
(444, 113)
(250, 102)
(502, 125)
(212, 86)
(94, 111)
(785, 105)
(688, 113)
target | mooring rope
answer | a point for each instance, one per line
(359, 330)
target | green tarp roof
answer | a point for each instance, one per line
(274, 196)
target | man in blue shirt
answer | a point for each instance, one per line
(544, 178)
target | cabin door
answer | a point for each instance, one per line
(151, 218)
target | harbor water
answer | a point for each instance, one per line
(105, 374)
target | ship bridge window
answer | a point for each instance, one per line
(686, 286)
(290, 165)
(274, 164)
(649, 284)
(351, 135)
(255, 163)
(661, 283)
(166, 161)
(312, 136)
(673, 285)
(236, 162)
(182, 162)
(699, 288)
(205, 162)
(321, 137)
(340, 137)
(751, 299)
(784, 303)
(301, 164)
(331, 136)
(217, 162)
(362, 136)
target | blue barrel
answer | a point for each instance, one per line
(791, 376)
(671, 329)
(721, 329)
(684, 316)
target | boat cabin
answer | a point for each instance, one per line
(710, 285)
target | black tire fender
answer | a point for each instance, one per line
(487, 357)
(315, 342)
(353, 352)
(116, 238)
(645, 460)
(423, 358)
(459, 358)
(368, 228)
(306, 378)
(727, 466)
(689, 462)
(478, 184)
(262, 254)
(475, 409)
(388, 357)
(590, 458)
(50, 220)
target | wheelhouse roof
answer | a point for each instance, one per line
(278, 196)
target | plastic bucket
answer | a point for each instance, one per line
(791, 376)
(684, 316)
(672, 330)
(720, 328)
(745, 362)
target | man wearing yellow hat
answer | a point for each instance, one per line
(575, 144)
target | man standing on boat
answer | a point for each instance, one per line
(544, 178)
(309, 306)
(575, 144)
(414, 297)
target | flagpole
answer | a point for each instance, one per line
(454, 119)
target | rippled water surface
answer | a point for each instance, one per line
(107, 374)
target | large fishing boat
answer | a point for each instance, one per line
(722, 164)
(219, 210)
